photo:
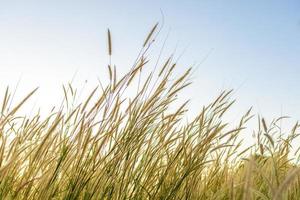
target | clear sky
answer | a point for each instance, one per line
(253, 46)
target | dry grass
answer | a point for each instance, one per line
(111, 146)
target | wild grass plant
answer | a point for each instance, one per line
(111, 146)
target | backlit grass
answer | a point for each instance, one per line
(112, 146)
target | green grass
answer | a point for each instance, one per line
(111, 146)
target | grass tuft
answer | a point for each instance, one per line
(113, 145)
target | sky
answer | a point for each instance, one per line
(252, 47)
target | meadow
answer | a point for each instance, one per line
(111, 146)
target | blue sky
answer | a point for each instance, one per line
(253, 46)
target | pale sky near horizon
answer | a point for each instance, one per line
(252, 46)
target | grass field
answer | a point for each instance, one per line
(111, 146)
